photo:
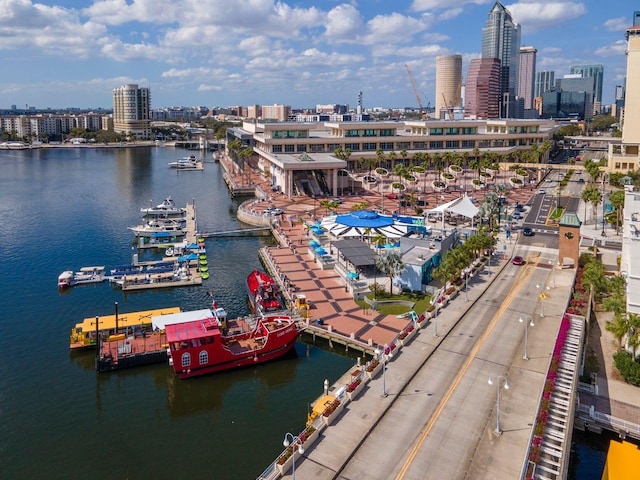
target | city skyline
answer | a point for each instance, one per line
(70, 53)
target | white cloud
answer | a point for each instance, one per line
(541, 15)
(613, 50)
(619, 24)
(425, 5)
(343, 23)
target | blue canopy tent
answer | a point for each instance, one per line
(187, 258)
(364, 223)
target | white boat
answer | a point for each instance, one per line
(69, 278)
(167, 207)
(185, 162)
(65, 279)
(156, 226)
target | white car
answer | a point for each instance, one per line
(542, 191)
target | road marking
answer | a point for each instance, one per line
(528, 270)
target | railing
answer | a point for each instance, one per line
(608, 421)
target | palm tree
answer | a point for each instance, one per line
(390, 263)
(617, 202)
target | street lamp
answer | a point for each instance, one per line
(526, 334)
(314, 208)
(499, 379)
(604, 234)
(466, 285)
(286, 443)
(377, 351)
(553, 269)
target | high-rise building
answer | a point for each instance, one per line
(448, 84)
(597, 73)
(501, 40)
(276, 112)
(631, 122)
(131, 107)
(482, 89)
(545, 81)
(526, 75)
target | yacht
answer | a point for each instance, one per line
(167, 207)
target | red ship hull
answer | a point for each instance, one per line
(207, 346)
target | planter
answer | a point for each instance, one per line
(332, 416)
(438, 186)
(356, 391)
(383, 172)
(405, 341)
(516, 182)
(455, 170)
(372, 374)
(311, 437)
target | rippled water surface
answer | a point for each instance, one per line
(67, 208)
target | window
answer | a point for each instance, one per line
(351, 133)
(435, 145)
(387, 132)
(186, 360)
(276, 148)
(452, 144)
(468, 144)
(451, 131)
(203, 357)
(354, 147)
(386, 145)
(369, 146)
(302, 148)
(370, 133)
(289, 148)
(435, 131)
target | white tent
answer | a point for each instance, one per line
(460, 206)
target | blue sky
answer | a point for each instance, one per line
(71, 53)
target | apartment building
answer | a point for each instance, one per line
(131, 111)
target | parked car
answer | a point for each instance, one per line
(518, 260)
(542, 191)
(392, 196)
(581, 180)
(527, 232)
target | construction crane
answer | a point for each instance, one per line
(415, 90)
(448, 106)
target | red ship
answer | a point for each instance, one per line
(216, 344)
(264, 292)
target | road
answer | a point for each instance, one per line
(439, 419)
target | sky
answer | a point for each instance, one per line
(216, 53)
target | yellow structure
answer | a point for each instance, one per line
(319, 406)
(302, 305)
(84, 333)
(622, 462)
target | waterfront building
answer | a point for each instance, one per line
(131, 111)
(448, 85)
(625, 157)
(501, 40)
(526, 75)
(482, 89)
(300, 158)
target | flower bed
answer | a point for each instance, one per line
(455, 169)
(373, 368)
(354, 388)
(544, 409)
(515, 181)
(332, 411)
(407, 334)
(438, 185)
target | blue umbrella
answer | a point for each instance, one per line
(321, 251)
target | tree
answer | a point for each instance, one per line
(617, 202)
(390, 263)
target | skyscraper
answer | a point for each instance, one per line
(501, 40)
(597, 73)
(482, 88)
(545, 80)
(131, 106)
(526, 75)
(631, 122)
(448, 83)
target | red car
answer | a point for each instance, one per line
(518, 260)
(392, 196)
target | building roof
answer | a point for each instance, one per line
(570, 219)
(356, 252)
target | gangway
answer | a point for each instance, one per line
(235, 233)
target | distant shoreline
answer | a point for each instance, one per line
(86, 145)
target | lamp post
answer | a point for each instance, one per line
(377, 351)
(527, 324)
(314, 208)
(499, 379)
(286, 443)
(466, 285)
(553, 269)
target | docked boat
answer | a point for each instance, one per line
(84, 334)
(264, 293)
(216, 344)
(85, 275)
(185, 162)
(166, 208)
(156, 226)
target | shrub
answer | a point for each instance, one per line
(628, 367)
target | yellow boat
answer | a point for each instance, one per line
(83, 335)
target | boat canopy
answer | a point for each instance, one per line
(161, 321)
(108, 322)
(187, 331)
(188, 258)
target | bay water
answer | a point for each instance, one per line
(65, 208)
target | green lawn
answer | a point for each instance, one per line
(421, 303)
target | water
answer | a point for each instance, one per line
(67, 208)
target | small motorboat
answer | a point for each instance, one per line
(167, 207)
(185, 162)
(65, 279)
